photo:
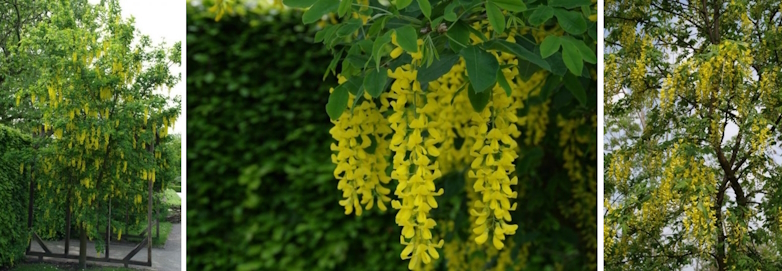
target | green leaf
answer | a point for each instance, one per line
(503, 82)
(320, 8)
(459, 36)
(519, 51)
(331, 36)
(448, 13)
(323, 32)
(586, 53)
(477, 33)
(572, 58)
(344, 6)
(437, 20)
(541, 15)
(358, 96)
(365, 45)
(569, 3)
(380, 42)
(375, 81)
(333, 64)
(478, 100)
(358, 60)
(401, 4)
(571, 21)
(549, 46)
(481, 68)
(349, 27)
(426, 8)
(467, 3)
(338, 101)
(407, 38)
(496, 18)
(552, 85)
(527, 69)
(298, 3)
(377, 26)
(573, 84)
(353, 85)
(557, 64)
(510, 5)
(438, 68)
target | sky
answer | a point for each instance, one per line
(162, 21)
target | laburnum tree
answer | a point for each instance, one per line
(100, 89)
(692, 135)
(443, 111)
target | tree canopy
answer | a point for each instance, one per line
(692, 134)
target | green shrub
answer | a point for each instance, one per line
(14, 149)
(256, 105)
(172, 199)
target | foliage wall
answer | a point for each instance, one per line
(14, 147)
(267, 174)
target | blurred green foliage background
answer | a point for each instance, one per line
(261, 194)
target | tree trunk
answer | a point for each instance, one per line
(83, 248)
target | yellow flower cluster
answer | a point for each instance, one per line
(779, 213)
(768, 86)
(629, 35)
(609, 229)
(494, 152)
(535, 122)
(638, 72)
(584, 177)
(620, 168)
(761, 134)
(426, 130)
(698, 208)
(361, 167)
(453, 117)
(731, 63)
(414, 142)
(612, 84)
(736, 231)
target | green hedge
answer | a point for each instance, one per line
(14, 148)
(261, 194)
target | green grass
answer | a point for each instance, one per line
(68, 266)
(165, 229)
(172, 199)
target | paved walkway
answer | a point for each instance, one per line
(168, 258)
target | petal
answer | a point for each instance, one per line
(498, 243)
(406, 252)
(482, 238)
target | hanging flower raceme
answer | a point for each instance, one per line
(494, 152)
(361, 171)
(699, 208)
(414, 145)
